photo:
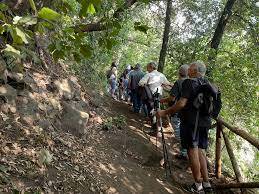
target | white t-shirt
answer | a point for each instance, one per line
(154, 80)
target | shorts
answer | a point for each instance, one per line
(189, 141)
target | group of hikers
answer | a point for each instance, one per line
(192, 103)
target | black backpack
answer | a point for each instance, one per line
(108, 74)
(208, 99)
(145, 93)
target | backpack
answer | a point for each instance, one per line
(208, 99)
(145, 93)
(108, 74)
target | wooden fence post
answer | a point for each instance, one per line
(218, 150)
(242, 133)
(233, 160)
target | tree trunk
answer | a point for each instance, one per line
(165, 36)
(218, 34)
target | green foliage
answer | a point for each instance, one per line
(49, 14)
(140, 27)
(114, 122)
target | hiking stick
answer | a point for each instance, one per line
(167, 166)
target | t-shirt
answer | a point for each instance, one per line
(134, 78)
(176, 90)
(154, 80)
(188, 113)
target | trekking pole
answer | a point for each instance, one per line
(167, 166)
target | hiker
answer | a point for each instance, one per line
(151, 83)
(135, 76)
(175, 95)
(195, 143)
(124, 80)
(112, 79)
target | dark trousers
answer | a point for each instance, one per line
(136, 100)
(150, 110)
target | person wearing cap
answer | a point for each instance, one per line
(134, 77)
(155, 81)
(175, 95)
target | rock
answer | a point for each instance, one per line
(68, 88)
(9, 93)
(74, 120)
(27, 120)
(45, 157)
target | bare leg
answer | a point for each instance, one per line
(203, 165)
(193, 154)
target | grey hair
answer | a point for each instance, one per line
(153, 64)
(183, 71)
(201, 67)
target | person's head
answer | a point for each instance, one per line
(114, 70)
(201, 68)
(151, 66)
(128, 67)
(113, 64)
(137, 66)
(183, 71)
(197, 69)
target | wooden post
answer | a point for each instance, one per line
(237, 185)
(242, 133)
(218, 150)
(232, 158)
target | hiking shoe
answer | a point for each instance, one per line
(208, 190)
(194, 189)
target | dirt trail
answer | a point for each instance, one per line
(138, 170)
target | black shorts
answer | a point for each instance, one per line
(187, 136)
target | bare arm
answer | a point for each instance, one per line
(175, 108)
(168, 99)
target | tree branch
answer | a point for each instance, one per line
(99, 26)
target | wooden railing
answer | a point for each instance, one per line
(220, 133)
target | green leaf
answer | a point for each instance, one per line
(89, 6)
(32, 4)
(140, 27)
(49, 14)
(91, 9)
(2, 29)
(3, 7)
(22, 35)
(11, 50)
(27, 20)
(86, 51)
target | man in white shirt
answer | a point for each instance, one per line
(155, 81)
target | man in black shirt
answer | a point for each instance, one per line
(195, 143)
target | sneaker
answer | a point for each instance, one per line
(208, 190)
(194, 189)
